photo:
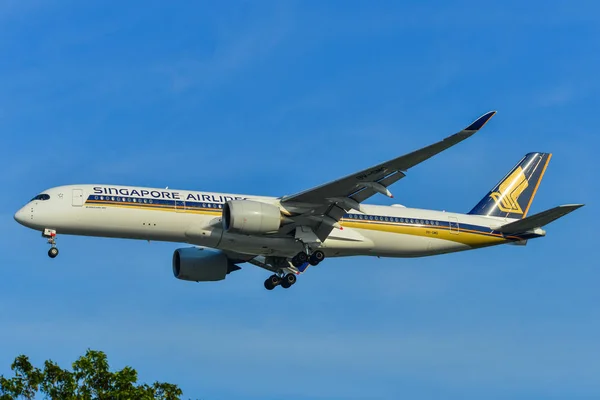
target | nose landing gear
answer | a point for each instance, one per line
(50, 234)
(53, 252)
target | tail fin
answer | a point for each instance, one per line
(512, 196)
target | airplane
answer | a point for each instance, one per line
(285, 235)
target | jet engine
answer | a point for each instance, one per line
(199, 264)
(251, 217)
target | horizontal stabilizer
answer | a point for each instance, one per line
(538, 220)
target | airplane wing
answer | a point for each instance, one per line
(321, 207)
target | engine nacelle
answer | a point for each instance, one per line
(251, 217)
(198, 264)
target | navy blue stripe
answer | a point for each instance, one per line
(427, 222)
(136, 201)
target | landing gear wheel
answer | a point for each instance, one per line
(50, 234)
(316, 257)
(299, 259)
(296, 263)
(288, 281)
(53, 252)
(272, 281)
(302, 257)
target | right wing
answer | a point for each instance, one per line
(358, 186)
(323, 206)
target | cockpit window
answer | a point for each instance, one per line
(42, 197)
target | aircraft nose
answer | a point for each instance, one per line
(21, 216)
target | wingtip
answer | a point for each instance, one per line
(481, 121)
(573, 206)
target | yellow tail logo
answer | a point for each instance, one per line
(507, 198)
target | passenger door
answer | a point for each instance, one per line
(454, 226)
(77, 197)
(180, 205)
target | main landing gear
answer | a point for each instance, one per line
(314, 259)
(50, 234)
(284, 275)
(286, 281)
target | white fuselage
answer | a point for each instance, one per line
(195, 217)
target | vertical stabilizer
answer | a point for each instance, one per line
(512, 196)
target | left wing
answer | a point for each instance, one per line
(323, 206)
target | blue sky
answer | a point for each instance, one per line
(275, 97)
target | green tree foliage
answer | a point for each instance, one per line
(90, 379)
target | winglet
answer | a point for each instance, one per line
(481, 121)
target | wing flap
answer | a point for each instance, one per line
(538, 220)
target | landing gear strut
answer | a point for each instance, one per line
(50, 234)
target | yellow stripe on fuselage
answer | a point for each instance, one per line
(469, 238)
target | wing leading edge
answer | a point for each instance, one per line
(321, 207)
